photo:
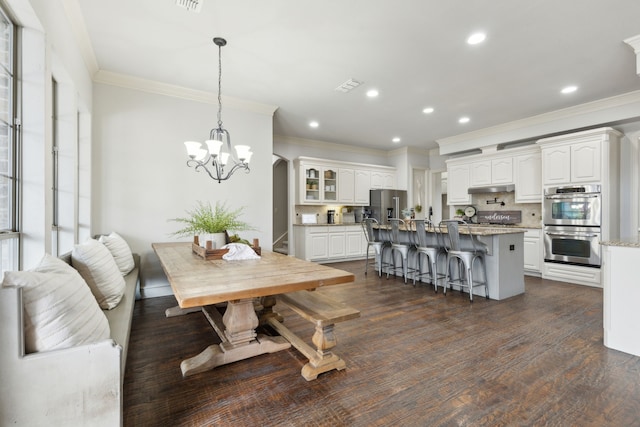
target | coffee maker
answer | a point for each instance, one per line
(331, 216)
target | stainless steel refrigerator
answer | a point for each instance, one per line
(386, 204)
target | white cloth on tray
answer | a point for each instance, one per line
(239, 251)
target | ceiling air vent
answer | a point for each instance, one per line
(349, 85)
(191, 5)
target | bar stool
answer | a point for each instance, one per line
(431, 250)
(464, 258)
(378, 244)
(399, 247)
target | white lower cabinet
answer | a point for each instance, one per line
(337, 242)
(533, 251)
(327, 243)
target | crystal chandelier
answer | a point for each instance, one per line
(218, 155)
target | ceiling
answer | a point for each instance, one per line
(293, 54)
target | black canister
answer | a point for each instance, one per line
(331, 216)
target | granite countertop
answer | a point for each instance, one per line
(477, 231)
(627, 243)
(326, 225)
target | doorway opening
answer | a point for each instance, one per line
(280, 205)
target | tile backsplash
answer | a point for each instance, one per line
(321, 213)
(531, 212)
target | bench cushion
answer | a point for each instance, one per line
(59, 309)
(96, 265)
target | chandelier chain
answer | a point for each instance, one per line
(220, 86)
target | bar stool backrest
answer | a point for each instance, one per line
(453, 230)
(367, 226)
(396, 225)
(438, 234)
(421, 233)
(454, 234)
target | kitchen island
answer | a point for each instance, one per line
(620, 272)
(504, 258)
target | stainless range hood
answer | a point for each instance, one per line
(492, 189)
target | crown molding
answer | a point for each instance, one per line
(634, 42)
(81, 35)
(329, 145)
(150, 86)
(608, 110)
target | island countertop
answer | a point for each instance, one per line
(473, 230)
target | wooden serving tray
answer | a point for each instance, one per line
(210, 254)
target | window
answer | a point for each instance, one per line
(9, 237)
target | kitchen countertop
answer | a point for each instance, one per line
(484, 226)
(325, 224)
(627, 243)
(477, 231)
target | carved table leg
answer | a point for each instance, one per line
(236, 329)
(324, 360)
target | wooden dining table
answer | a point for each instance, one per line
(236, 297)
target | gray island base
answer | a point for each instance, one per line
(504, 259)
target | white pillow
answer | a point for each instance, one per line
(120, 250)
(59, 310)
(97, 267)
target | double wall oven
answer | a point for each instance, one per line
(572, 220)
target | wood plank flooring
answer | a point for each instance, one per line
(413, 358)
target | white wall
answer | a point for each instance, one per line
(140, 176)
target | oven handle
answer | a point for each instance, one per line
(572, 196)
(571, 234)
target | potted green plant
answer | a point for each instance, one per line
(211, 223)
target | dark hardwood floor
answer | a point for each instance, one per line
(413, 358)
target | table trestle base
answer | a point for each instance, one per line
(320, 361)
(236, 330)
(218, 355)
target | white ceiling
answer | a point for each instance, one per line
(294, 53)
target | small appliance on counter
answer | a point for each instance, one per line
(309, 219)
(331, 216)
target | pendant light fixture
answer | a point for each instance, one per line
(218, 159)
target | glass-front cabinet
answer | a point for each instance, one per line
(319, 184)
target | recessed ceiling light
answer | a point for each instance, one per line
(569, 89)
(463, 120)
(314, 124)
(372, 93)
(428, 110)
(395, 140)
(476, 38)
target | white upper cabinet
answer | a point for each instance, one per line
(528, 178)
(586, 164)
(347, 187)
(519, 166)
(491, 171)
(502, 170)
(580, 157)
(328, 182)
(317, 184)
(556, 165)
(458, 176)
(362, 186)
(381, 179)
(480, 173)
